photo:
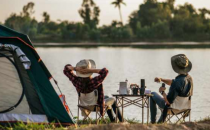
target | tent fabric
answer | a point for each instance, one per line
(23, 117)
(11, 88)
(29, 90)
(39, 76)
(23, 58)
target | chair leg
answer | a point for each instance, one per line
(97, 115)
(180, 117)
(78, 115)
(190, 116)
(85, 118)
(169, 119)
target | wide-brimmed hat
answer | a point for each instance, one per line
(181, 64)
(85, 64)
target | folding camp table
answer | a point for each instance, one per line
(141, 101)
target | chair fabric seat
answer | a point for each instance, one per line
(88, 102)
(181, 103)
(180, 107)
(88, 99)
(172, 111)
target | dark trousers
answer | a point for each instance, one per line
(156, 100)
(111, 102)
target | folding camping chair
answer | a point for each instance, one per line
(181, 108)
(88, 106)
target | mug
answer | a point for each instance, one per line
(135, 91)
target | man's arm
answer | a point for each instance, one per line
(166, 81)
(172, 94)
(100, 78)
(85, 71)
(174, 91)
(165, 98)
(162, 91)
(68, 71)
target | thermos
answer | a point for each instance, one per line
(142, 89)
(163, 85)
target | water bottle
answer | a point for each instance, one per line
(163, 85)
(142, 89)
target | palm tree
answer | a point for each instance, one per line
(118, 3)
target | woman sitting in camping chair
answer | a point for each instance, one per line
(85, 84)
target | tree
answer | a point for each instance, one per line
(90, 13)
(134, 21)
(171, 4)
(46, 17)
(187, 23)
(150, 13)
(204, 12)
(118, 3)
(23, 22)
(28, 9)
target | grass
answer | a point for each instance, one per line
(35, 126)
(86, 125)
(81, 123)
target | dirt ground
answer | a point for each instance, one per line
(201, 125)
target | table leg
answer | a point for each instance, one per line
(122, 110)
(116, 109)
(142, 109)
(148, 110)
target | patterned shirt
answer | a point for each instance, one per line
(95, 83)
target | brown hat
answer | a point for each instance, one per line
(181, 64)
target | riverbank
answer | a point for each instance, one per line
(143, 45)
(199, 125)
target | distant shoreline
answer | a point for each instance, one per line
(143, 45)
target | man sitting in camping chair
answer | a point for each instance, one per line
(181, 86)
(88, 88)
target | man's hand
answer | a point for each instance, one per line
(161, 89)
(158, 80)
(166, 81)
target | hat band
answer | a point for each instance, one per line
(187, 63)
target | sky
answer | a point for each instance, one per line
(68, 9)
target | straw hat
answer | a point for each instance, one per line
(181, 64)
(85, 64)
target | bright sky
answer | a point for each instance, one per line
(68, 9)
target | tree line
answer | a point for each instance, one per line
(153, 21)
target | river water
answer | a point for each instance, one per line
(132, 64)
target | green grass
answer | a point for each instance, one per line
(35, 126)
(81, 124)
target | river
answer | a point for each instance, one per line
(132, 64)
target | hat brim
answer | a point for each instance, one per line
(179, 70)
(93, 66)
